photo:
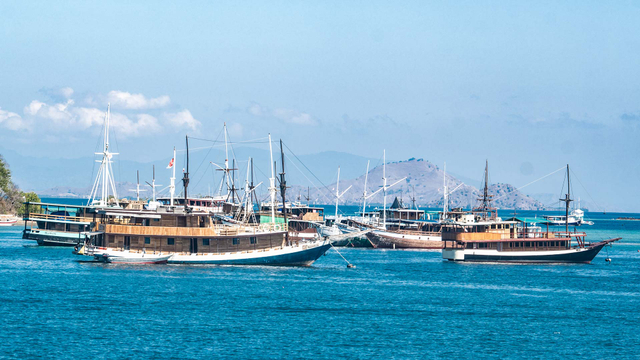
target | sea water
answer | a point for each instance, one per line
(395, 304)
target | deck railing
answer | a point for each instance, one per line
(36, 216)
(214, 230)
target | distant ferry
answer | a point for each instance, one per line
(575, 218)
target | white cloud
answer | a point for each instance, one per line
(236, 130)
(126, 100)
(67, 92)
(294, 117)
(12, 121)
(145, 125)
(58, 94)
(257, 110)
(64, 116)
(58, 113)
(287, 115)
(182, 118)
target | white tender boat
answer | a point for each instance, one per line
(7, 220)
(128, 257)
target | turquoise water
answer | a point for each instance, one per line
(395, 304)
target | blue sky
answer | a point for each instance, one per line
(528, 85)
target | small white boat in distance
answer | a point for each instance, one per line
(7, 220)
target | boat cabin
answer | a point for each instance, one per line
(191, 232)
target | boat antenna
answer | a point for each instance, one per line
(567, 200)
(283, 188)
(185, 179)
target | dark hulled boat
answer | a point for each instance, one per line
(493, 240)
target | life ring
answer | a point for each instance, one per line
(277, 227)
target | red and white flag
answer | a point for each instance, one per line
(170, 164)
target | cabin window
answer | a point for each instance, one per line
(206, 241)
(527, 244)
(171, 241)
(147, 240)
(253, 240)
(236, 241)
(156, 220)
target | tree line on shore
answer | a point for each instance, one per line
(11, 197)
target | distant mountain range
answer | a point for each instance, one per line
(424, 182)
(74, 177)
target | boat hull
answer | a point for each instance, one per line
(573, 255)
(52, 238)
(303, 255)
(390, 240)
(298, 255)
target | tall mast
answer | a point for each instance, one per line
(104, 179)
(272, 184)
(283, 188)
(172, 187)
(337, 192)
(486, 186)
(153, 183)
(486, 198)
(138, 185)
(226, 162)
(247, 190)
(384, 188)
(446, 196)
(185, 179)
(364, 196)
(233, 181)
(413, 197)
(567, 201)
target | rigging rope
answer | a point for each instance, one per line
(534, 181)
(587, 191)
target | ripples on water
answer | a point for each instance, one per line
(395, 304)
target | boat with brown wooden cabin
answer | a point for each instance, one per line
(487, 238)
